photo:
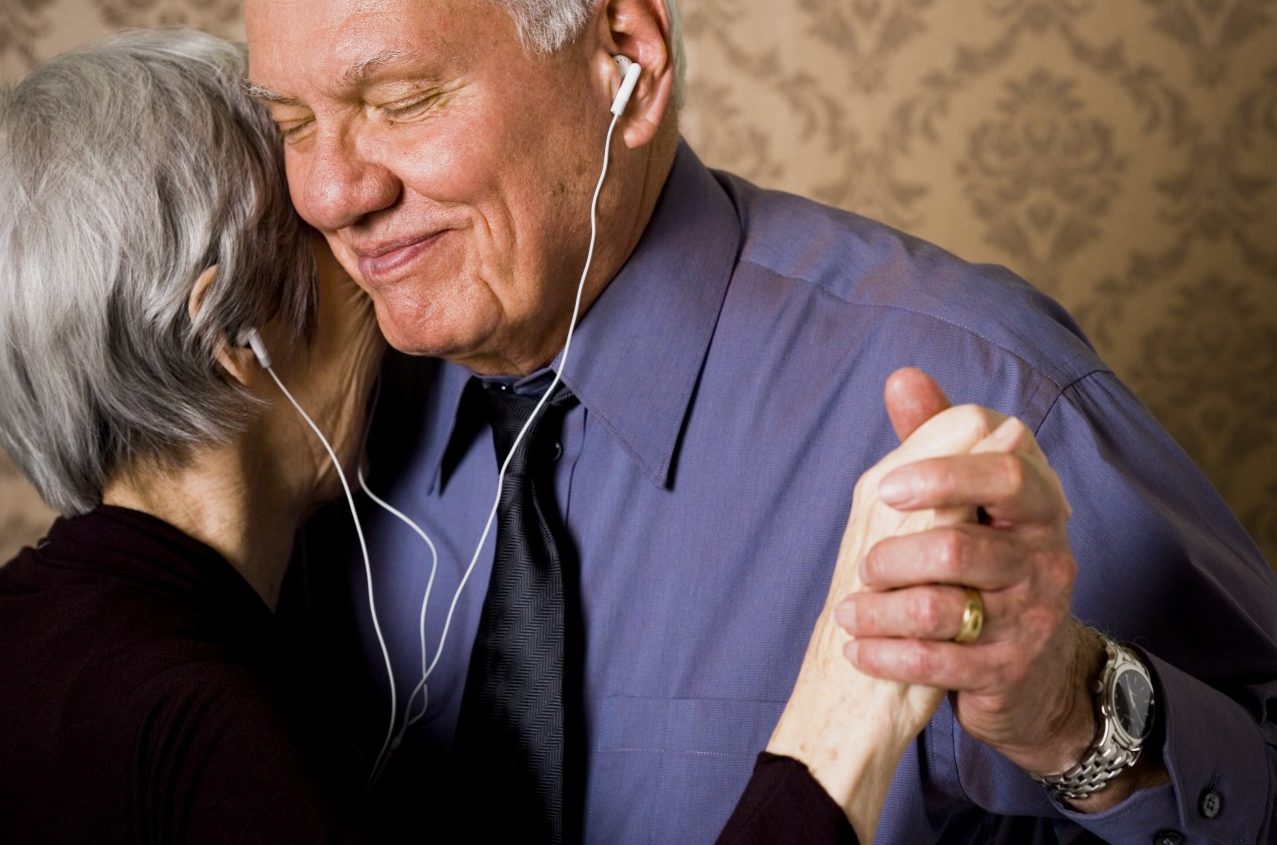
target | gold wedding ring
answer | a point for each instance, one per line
(972, 618)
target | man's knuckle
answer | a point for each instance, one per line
(1067, 565)
(1037, 627)
(866, 612)
(1005, 674)
(951, 547)
(926, 611)
(1015, 673)
(1060, 580)
(876, 658)
(1057, 570)
(928, 478)
(916, 661)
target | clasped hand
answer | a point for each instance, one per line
(1021, 687)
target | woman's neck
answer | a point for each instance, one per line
(226, 497)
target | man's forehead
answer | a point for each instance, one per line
(274, 19)
(346, 42)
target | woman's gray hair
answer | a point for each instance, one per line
(127, 168)
(546, 26)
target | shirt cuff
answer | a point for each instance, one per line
(1221, 787)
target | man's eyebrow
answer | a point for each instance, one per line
(261, 92)
(361, 72)
(354, 76)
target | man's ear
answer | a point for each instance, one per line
(640, 31)
(238, 361)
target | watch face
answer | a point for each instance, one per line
(1132, 703)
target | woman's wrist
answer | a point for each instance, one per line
(847, 728)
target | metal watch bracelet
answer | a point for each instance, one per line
(1091, 775)
(1114, 750)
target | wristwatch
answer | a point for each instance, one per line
(1124, 712)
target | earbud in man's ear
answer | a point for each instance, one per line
(630, 70)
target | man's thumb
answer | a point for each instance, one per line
(912, 397)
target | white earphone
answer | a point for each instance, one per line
(631, 71)
(254, 340)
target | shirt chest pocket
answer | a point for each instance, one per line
(671, 770)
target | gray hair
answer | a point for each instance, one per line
(127, 168)
(546, 26)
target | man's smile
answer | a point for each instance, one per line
(381, 262)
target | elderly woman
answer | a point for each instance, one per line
(146, 231)
(144, 692)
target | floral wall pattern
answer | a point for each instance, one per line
(1120, 154)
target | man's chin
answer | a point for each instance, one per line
(409, 334)
(413, 340)
(415, 347)
(473, 348)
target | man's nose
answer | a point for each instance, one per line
(345, 182)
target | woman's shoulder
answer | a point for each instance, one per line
(158, 727)
(147, 700)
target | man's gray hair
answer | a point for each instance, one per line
(546, 26)
(127, 168)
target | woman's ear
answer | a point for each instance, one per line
(238, 361)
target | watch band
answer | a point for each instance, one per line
(1091, 775)
(1113, 751)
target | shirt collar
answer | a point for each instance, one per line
(637, 354)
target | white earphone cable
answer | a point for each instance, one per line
(434, 568)
(492, 513)
(363, 547)
(558, 375)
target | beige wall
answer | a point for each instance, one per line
(1121, 154)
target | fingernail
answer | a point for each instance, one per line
(851, 651)
(845, 613)
(899, 487)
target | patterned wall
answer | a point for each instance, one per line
(1121, 154)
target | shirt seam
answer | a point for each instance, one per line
(1050, 409)
(1058, 379)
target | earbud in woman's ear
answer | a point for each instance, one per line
(253, 338)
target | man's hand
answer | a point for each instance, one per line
(1023, 686)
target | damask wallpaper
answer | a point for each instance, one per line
(1120, 154)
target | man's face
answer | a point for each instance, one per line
(450, 172)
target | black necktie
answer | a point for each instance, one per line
(512, 728)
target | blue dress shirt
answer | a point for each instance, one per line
(730, 383)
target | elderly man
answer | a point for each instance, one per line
(624, 651)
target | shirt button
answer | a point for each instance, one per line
(1169, 837)
(1210, 803)
(558, 450)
